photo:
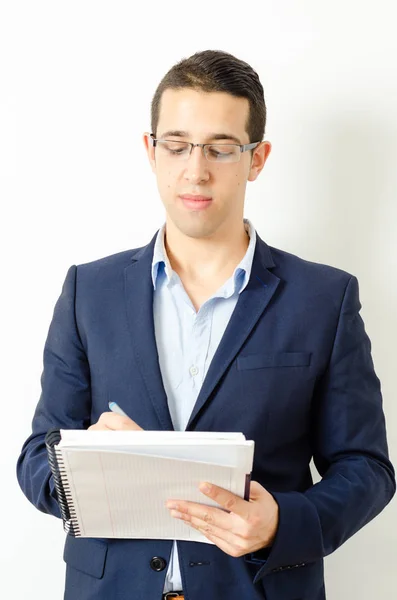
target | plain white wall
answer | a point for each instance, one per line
(76, 81)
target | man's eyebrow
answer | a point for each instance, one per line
(173, 133)
(210, 137)
(225, 136)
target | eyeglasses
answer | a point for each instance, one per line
(219, 153)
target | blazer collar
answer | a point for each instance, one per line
(262, 252)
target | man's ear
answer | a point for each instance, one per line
(149, 150)
(259, 158)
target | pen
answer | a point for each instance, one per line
(114, 407)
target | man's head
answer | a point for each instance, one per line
(210, 98)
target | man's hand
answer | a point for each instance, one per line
(113, 421)
(245, 526)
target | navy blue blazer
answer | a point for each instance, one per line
(293, 372)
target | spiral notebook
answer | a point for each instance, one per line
(114, 484)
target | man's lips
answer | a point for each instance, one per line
(194, 202)
(195, 198)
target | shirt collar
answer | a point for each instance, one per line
(241, 274)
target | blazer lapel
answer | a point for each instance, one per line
(250, 306)
(139, 302)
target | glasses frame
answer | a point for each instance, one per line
(243, 147)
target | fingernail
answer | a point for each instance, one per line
(205, 487)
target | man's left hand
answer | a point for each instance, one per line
(243, 527)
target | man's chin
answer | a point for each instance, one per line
(195, 230)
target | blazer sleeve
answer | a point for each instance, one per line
(64, 402)
(349, 450)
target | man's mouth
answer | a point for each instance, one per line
(195, 201)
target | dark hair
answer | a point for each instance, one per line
(217, 71)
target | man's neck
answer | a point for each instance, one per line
(206, 259)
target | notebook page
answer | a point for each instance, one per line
(84, 436)
(237, 456)
(234, 451)
(123, 495)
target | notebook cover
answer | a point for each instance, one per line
(247, 486)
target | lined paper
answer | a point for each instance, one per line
(122, 494)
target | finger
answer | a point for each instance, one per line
(202, 514)
(237, 537)
(99, 427)
(115, 422)
(231, 544)
(227, 500)
(118, 422)
(257, 491)
(226, 547)
(127, 424)
(234, 533)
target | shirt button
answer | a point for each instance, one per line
(157, 563)
(193, 370)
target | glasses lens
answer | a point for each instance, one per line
(223, 153)
(174, 149)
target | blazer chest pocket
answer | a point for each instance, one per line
(280, 359)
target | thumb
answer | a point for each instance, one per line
(257, 490)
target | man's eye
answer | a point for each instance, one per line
(176, 148)
(220, 153)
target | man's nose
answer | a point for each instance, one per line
(197, 166)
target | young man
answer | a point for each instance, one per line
(208, 328)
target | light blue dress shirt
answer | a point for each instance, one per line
(187, 341)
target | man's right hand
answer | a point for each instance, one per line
(114, 422)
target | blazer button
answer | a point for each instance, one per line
(157, 563)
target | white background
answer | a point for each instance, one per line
(76, 81)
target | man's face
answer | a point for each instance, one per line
(199, 117)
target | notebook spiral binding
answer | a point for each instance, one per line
(62, 487)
